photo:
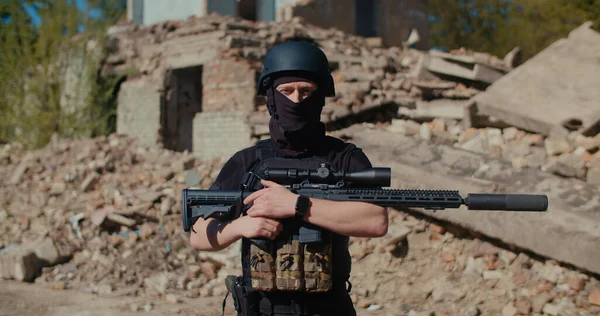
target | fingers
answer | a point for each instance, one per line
(266, 232)
(262, 207)
(273, 225)
(258, 211)
(255, 195)
(268, 183)
(269, 228)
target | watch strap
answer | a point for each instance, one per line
(302, 206)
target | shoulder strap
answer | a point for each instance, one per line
(344, 149)
(265, 149)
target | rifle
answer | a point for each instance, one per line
(325, 183)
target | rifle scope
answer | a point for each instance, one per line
(370, 177)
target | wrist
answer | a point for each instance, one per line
(234, 229)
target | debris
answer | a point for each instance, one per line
(523, 305)
(594, 297)
(554, 109)
(18, 173)
(75, 224)
(89, 182)
(557, 146)
(540, 301)
(192, 178)
(568, 165)
(464, 67)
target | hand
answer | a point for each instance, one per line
(256, 227)
(273, 201)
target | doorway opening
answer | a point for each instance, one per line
(247, 9)
(365, 18)
(182, 100)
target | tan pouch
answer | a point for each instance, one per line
(262, 267)
(289, 267)
(317, 267)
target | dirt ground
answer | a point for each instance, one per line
(17, 299)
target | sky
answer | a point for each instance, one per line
(81, 4)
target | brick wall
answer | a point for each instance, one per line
(228, 84)
(192, 50)
(139, 111)
(220, 134)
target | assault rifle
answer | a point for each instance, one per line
(361, 186)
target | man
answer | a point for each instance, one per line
(289, 277)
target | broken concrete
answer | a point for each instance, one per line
(439, 108)
(567, 232)
(25, 262)
(465, 67)
(554, 92)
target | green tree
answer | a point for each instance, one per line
(48, 73)
(497, 26)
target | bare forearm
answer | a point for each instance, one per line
(213, 235)
(355, 219)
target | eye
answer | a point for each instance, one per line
(305, 91)
(286, 91)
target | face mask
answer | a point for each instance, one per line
(294, 117)
(295, 127)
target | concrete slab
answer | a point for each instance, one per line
(568, 232)
(420, 71)
(443, 108)
(475, 72)
(473, 58)
(557, 87)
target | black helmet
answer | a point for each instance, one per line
(297, 57)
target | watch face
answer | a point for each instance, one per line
(302, 204)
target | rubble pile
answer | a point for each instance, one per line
(102, 216)
(425, 268)
(368, 75)
(577, 156)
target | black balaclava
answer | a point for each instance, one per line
(295, 128)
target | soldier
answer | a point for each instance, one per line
(289, 277)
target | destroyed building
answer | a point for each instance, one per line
(391, 20)
(192, 84)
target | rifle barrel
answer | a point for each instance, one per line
(507, 202)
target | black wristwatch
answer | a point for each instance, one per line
(302, 206)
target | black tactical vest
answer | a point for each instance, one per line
(286, 264)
